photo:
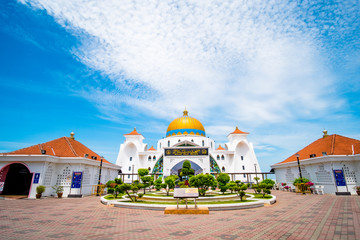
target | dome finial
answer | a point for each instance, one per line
(185, 112)
(325, 132)
(72, 135)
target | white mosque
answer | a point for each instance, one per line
(186, 140)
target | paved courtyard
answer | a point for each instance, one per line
(294, 216)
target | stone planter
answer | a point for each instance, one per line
(59, 194)
(38, 195)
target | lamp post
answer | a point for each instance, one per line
(301, 179)
(257, 182)
(98, 187)
(298, 162)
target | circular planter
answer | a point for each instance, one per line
(59, 194)
(38, 195)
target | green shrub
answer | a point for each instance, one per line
(58, 189)
(40, 189)
(300, 180)
(143, 171)
(203, 182)
(223, 179)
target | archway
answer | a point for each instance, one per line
(176, 169)
(17, 179)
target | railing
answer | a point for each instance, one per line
(249, 175)
(98, 189)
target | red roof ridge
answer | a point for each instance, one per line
(70, 146)
(134, 132)
(238, 131)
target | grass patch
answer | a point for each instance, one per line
(260, 196)
(111, 197)
(192, 203)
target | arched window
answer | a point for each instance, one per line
(223, 169)
(149, 169)
(242, 157)
(222, 157)
(160, 145)
(217, 157)
(203, 143)
(192, 140)
(179, 140)
(130, 168)
(130, 159)
(154, 158)
(243, 167)
(149, 158)
(211, 144)
(168, 143)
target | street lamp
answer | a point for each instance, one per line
(256, 174)
(298, 162)
(98, 187)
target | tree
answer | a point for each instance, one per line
(147, 181)
(143, 171)
(240, 190)
(202, 182)
(264, 188)
(223, 179)
(232, 186)
(169, 183)
(186, 169)
(158, 183)
(268, 181)
(113, 187)
(257, 179)
(126, 188)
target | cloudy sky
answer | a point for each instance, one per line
(281, 70)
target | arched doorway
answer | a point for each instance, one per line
(17, 179)
(176, 169)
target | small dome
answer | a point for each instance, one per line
(185, 125)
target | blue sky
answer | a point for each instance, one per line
(281, 70)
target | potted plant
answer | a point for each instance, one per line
(357, 188)
(59, 190)
(39, 190)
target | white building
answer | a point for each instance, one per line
(52, 163)
(186, 140)
(318, 161)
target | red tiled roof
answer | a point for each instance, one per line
(61, 147)
(220, 148)
(134, 132)
(237, 131)
(332, 145)
(152, 149)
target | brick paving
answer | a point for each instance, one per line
(294, 216)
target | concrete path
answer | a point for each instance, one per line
(294, 216)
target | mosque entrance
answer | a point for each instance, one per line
(178, 167)
(17, 179)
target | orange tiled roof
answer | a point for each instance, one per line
(332, 145)
(237, 131)
(61, 147)
(152, 149)
(134, 132)
(220, 148)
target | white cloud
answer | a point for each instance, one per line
(249, 61)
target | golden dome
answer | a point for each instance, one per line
(185, 125)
